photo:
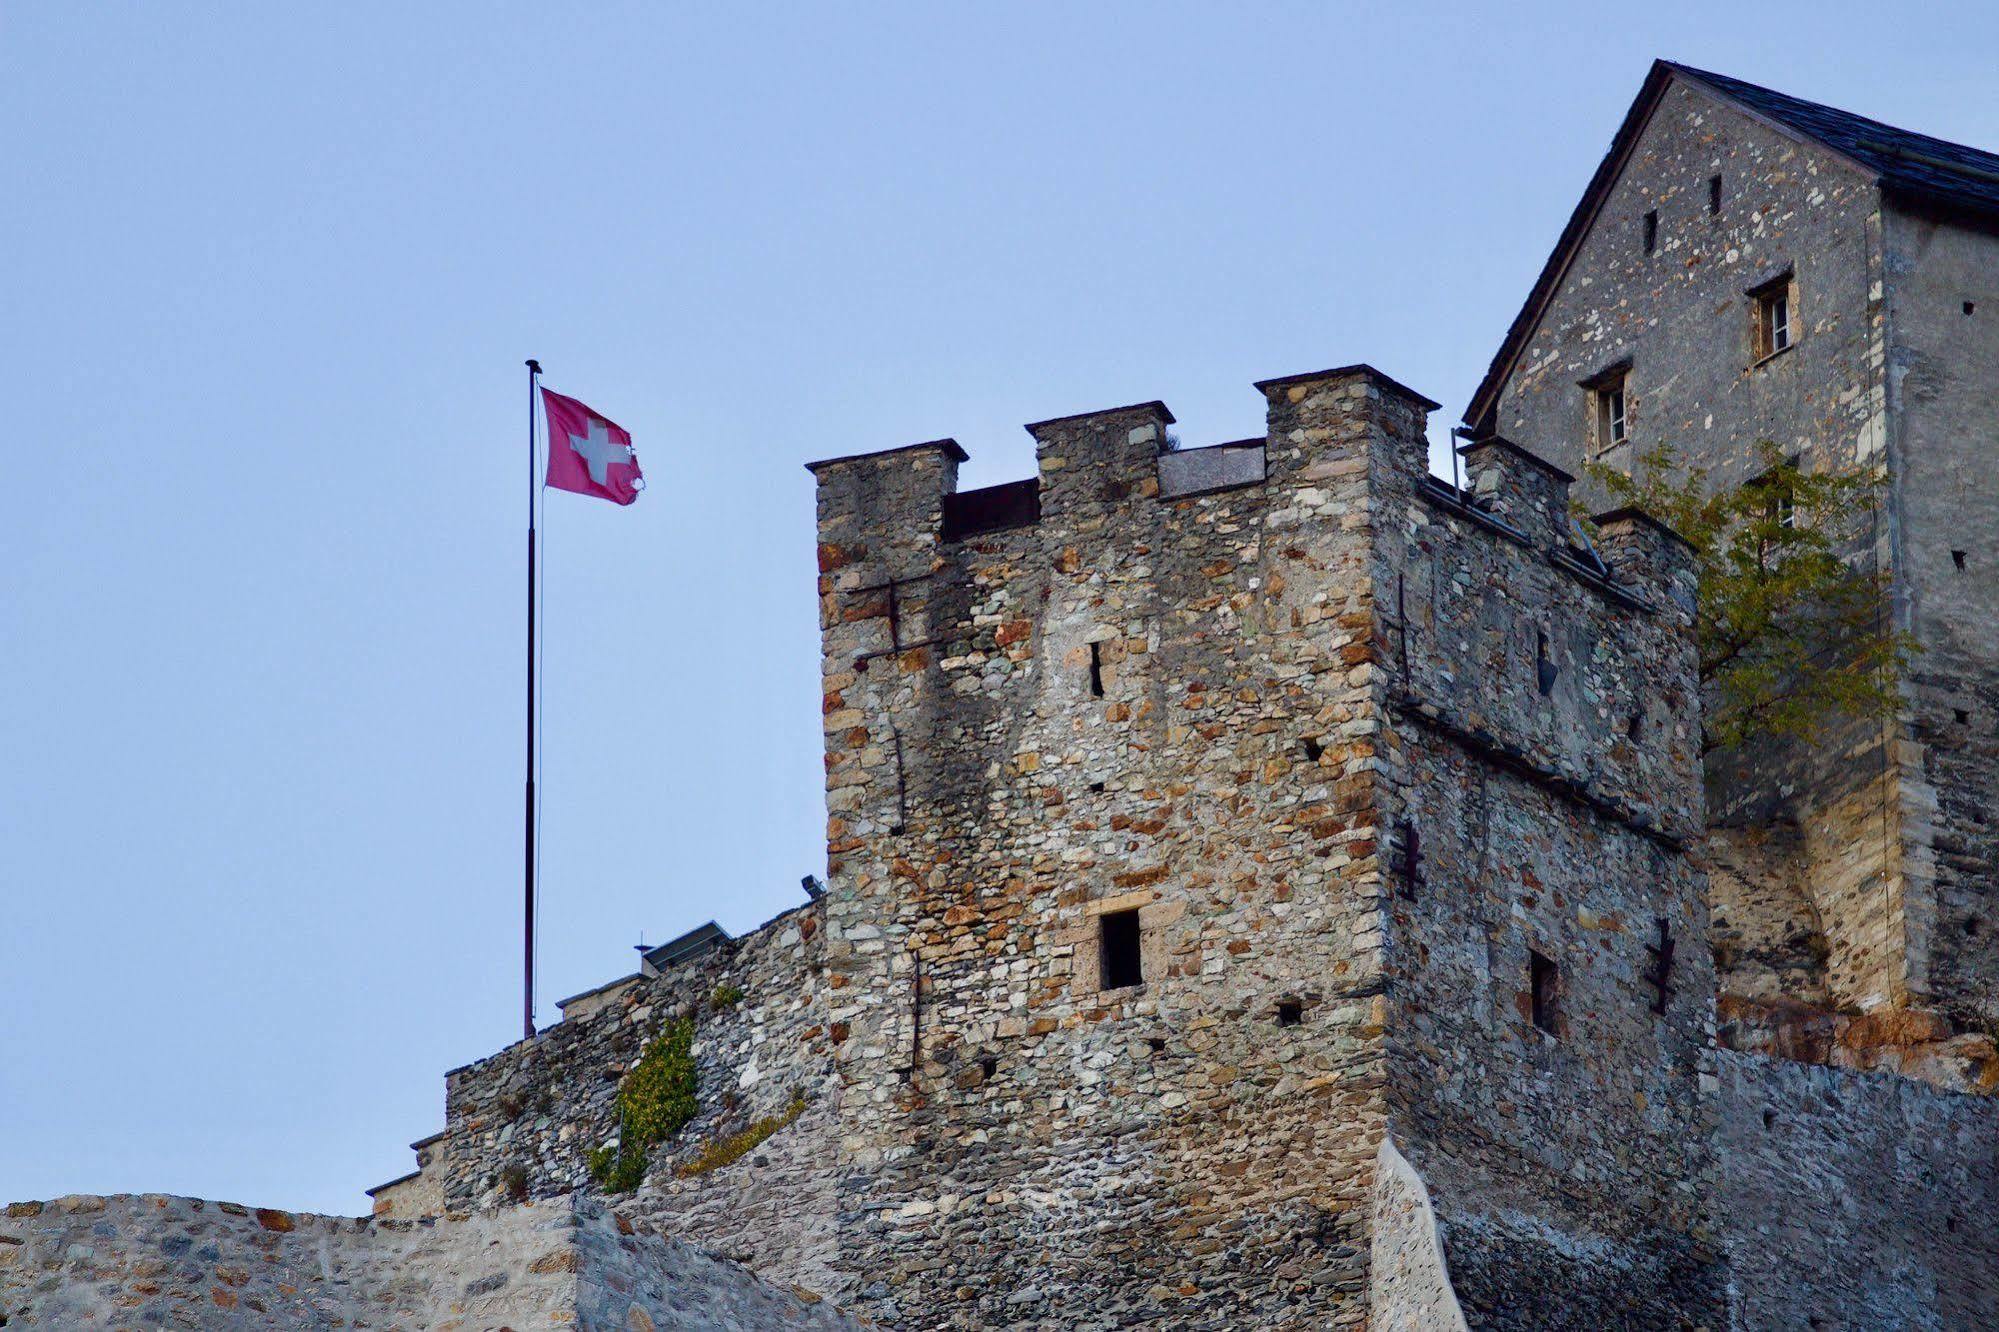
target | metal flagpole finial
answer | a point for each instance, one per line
(534, 366)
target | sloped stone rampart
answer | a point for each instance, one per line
(149, 1260)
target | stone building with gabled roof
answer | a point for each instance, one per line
(1748, 266)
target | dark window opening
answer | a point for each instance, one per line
(1714, 194)
(1636, 726)
(1957, 558)
(1290, 1013)
(1098, 787)
(988, 1066)
(1970, 307)
(1409, 864)
(1313, 749)
(1651, 231)
(1963, 717)
(1157, 1044)
(1118, 944)
(1769, 1119)
(1971, 927)
(1096, 670)
(1545, 670)
(1950, 1224)
(1544, 981)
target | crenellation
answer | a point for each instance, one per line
(1519, 488)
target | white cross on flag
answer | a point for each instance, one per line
(589, 453)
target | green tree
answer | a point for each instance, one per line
(1793, 635)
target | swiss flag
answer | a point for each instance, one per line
(589, 453)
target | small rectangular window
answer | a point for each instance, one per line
(1118, 946)
(1610, 424)
(1544, 981)
(1651, 231)
(1714, 194)
(1778, 499)
(1772, 304)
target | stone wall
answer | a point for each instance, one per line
(1357, 748)
(1875, 891)
(1856, 1202)
(523, 1122)
(1244, 704)
(1543, 816)
(1943, 394)
(152, 1260)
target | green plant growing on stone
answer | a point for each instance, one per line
(656, 1100)
(718, 1152)
(726, 995)
(1792, 634)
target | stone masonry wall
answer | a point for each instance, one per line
(1409, 1287)
(1943, 394)
(1856, 1202)
(151, 1260)
(522, 1123)
(1355, 746)
(1546, 789)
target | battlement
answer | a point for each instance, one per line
(1509, 596)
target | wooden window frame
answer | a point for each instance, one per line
(1609, 394)
(1773, 317)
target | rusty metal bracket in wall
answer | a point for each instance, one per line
(896, 645)
(915, 1014)
(1660, 977)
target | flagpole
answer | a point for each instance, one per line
(528, 870)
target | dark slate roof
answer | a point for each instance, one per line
(1914, 165)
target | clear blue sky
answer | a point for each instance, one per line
(270, 274)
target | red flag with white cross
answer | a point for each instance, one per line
(588, 452)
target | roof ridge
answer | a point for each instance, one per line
(1736, 87)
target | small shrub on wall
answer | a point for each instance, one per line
(655, 1101)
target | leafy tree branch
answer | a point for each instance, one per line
(1793, 634)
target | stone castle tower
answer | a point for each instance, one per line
(1207, 826)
